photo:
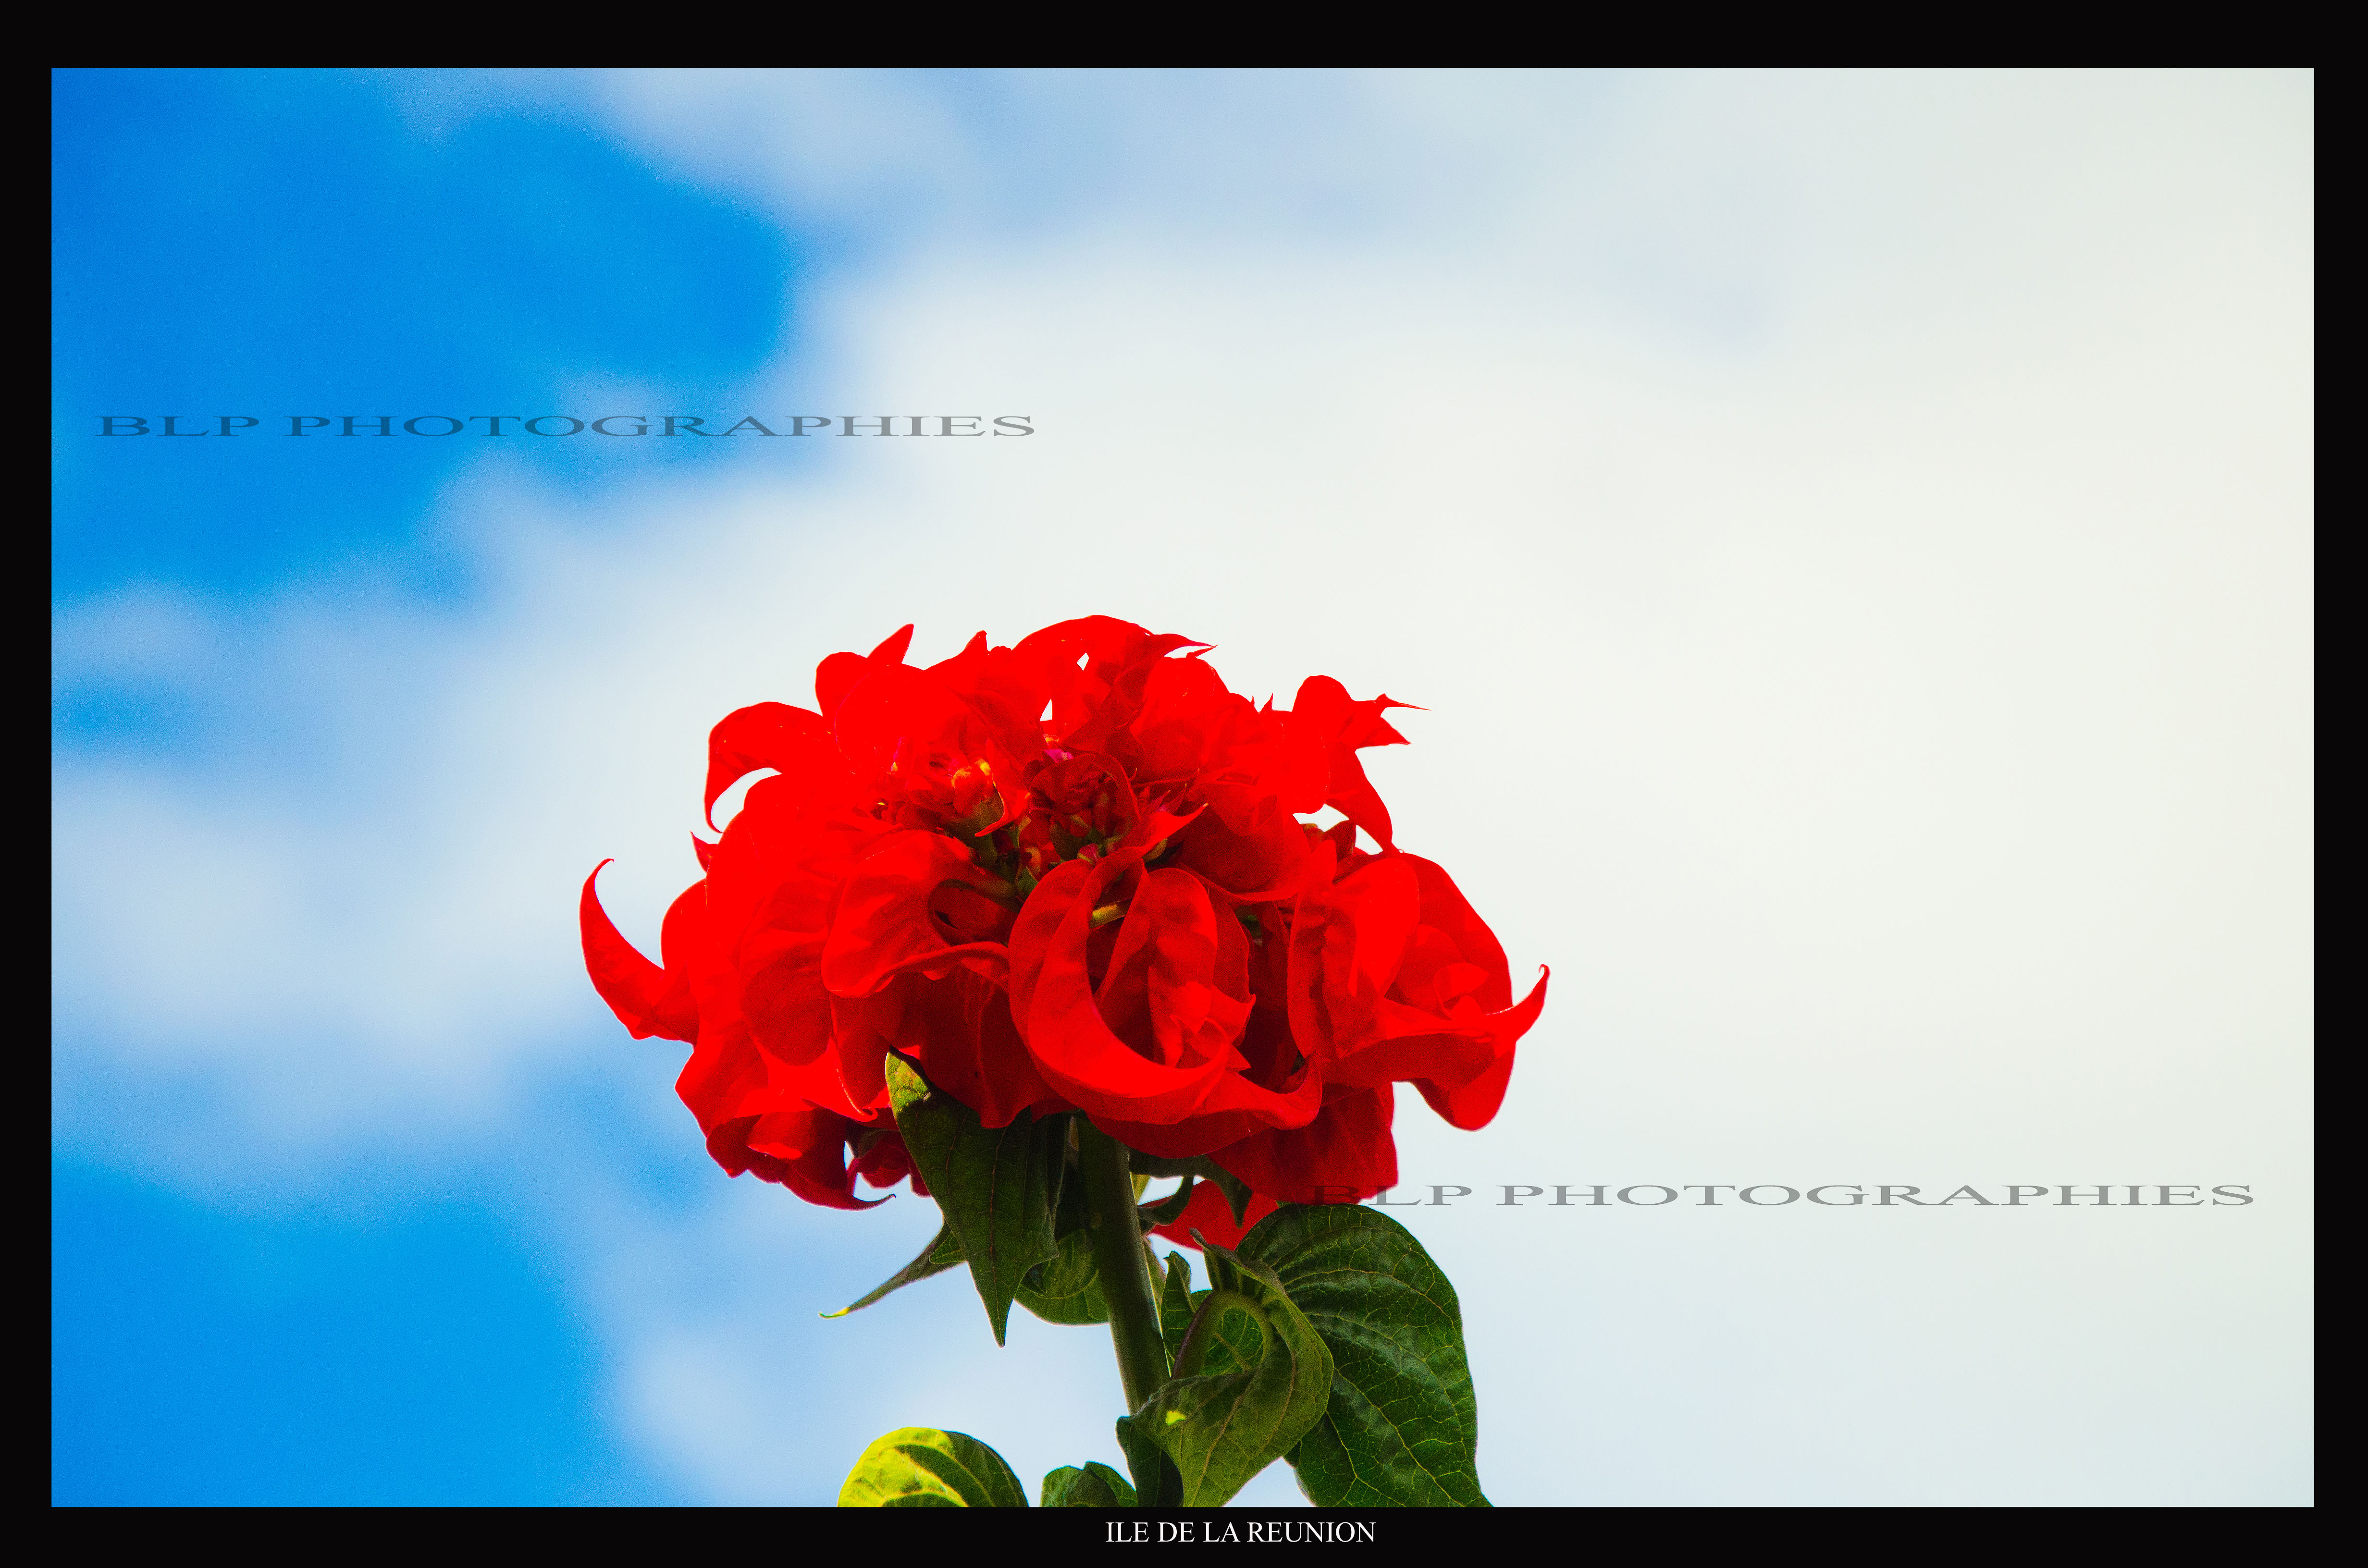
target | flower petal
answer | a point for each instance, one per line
(646, 999)
(804, 1150)
(1345, 1156)
(1074, 1048)
(789, 740)
(884, 924)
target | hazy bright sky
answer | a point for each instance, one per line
(1849, 536)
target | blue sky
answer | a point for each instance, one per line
(1872, 513)
(422, 1356)
(267, 242)
(261, 243)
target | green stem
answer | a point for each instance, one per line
(1195, 1349)
(1117, 1236)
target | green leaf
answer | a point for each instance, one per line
(920, 1467)
(1168, 1210)
(997, 1186)
(1156, 1482)
(1222, 1429)
(1236, 1190)
(1235, 1340)
(1096, 1486)
(936, 1259)
(1402, 1424)
(1072, 1212)
(1142, 1455)
(1176, 1304)
(1068, 1288)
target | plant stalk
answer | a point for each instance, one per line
(1117, 1236)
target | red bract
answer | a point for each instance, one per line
(1067, 876)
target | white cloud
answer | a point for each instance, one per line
(1850, 536)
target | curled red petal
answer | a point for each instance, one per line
(770, 734)
(886, 1162)
(1345, 1156)
(834, 678)
(1177, 986)
(1393, 978)
(1007, 691)
(1446, 911)
(646, 999)
(839, 674)
(1073, 1046)
(1268, 863)
(1353, 795)
(1471, 1100)
(1325, 719)
(1092, 670)
(884, 924)
(804, 1151)
(781, 994)
(907, 736)
(957, 1029)
(1347, 941)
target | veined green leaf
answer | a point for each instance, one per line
(1402, 1425)
(997, 1186)
(1221, 1428)
(1068, 1287)
(1176, 1304)
(1235, 1340)
(1095, 1486)
(920, 1467)
(1157, 1484)
(936, 1259)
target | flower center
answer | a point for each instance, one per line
(1077, 808)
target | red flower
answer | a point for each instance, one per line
(1067, 876)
